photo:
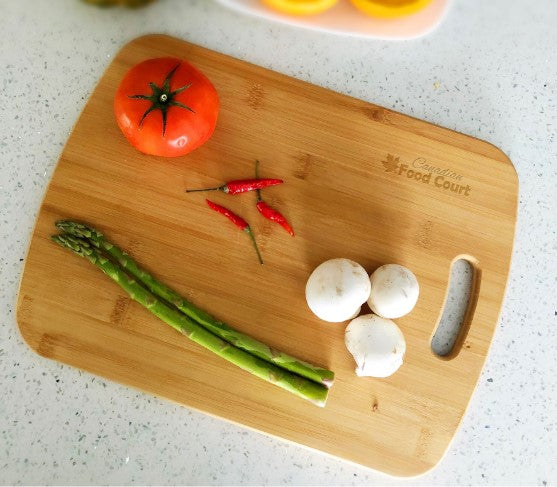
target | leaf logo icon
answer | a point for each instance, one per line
(391, 164)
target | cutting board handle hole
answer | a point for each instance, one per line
(460, 302)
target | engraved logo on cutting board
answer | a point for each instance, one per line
(420, 171)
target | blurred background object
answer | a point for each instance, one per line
(300, 7)
(123, 3)
(376, 19)
(390, 9)
(376, 8)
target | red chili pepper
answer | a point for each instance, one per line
(241, 186)
(274, 216)
(268, 212)
(238, 221)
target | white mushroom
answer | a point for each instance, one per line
(336, 290)
(376, 344)
(394, 291)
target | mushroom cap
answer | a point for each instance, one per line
(336, 289)
(377, 345)
(394, 291)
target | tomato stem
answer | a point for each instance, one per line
(162, 99)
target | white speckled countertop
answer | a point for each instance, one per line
(490, 71)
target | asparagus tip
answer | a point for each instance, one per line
(78, 229)
(77, 245)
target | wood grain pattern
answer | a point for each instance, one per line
(349, 192)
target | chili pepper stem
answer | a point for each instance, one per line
(219, 188)
(238, 221)
(252, 237)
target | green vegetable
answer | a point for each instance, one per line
(215, 326)
(302, 387)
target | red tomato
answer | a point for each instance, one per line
(166, 107)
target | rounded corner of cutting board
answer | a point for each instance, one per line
(413, 472)
(24, 303)
(509, 163)
(29, 335)
(147, 40)
(499, 155)
(418, 470)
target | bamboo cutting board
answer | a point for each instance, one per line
(357, 186)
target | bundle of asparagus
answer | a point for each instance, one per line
(299, 377)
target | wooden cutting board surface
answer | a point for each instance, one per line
(351, 190)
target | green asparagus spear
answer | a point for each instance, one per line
(296, 384)
(240, 340)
